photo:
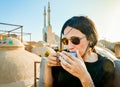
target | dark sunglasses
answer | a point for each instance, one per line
(75, 40)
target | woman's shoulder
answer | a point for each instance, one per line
(108, 64)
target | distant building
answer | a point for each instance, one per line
(48, 35)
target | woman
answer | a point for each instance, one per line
(87, 68)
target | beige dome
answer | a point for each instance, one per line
(16, 66)
(11, 43)
(105, 52)
(117, 50)
(42, 50)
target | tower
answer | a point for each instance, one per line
(44, 28)
(49, 27)
(48, 36)
(49, 14)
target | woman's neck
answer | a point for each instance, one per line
(90, 57)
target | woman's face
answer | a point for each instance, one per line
(82, 46)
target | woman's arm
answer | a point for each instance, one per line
(50, 62)
(87, 81)
(48, 79)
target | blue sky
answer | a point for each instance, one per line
(29, 14)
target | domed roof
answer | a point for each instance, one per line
(105, 52)
(42, 50)
(10, 42)
(16, 66)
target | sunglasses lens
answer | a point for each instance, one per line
(65, 41)
(75, 40)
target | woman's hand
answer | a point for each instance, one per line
(72, 64)
(76, 66)
(52, 60)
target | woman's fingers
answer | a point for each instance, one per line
(79, 56)
(65, 64)
(67, 57)
(67, 61)
(52, 60)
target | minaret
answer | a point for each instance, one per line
(49, 28)
(44, 16)
(44, 28)
(48, 13)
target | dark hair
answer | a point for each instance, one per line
(84, 25)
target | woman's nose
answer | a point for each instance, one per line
(70, 44)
